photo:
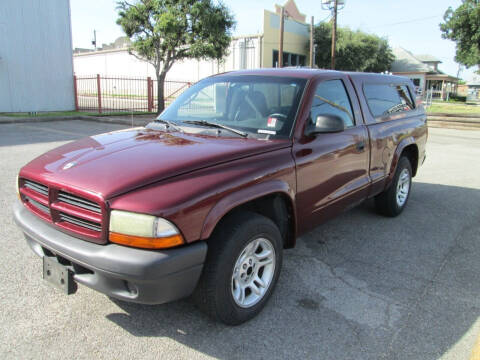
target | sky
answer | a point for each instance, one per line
(411, 24)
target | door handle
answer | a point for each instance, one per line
(361, 145)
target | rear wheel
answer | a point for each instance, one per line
(242, 267)
(393, 200)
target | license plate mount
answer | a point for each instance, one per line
(58, 275)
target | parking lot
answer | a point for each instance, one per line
(359, 287)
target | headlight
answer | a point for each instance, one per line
(143, 231)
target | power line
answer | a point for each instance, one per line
(406, 21)
(420, 19)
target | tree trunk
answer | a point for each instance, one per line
(160, 92)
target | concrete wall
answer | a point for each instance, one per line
(296, 37)
(35, 56)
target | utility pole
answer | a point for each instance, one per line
(94, 42)
(334, 34)
(312, 59)
(333, 6)
(280, 47)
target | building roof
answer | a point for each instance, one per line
(427, 58)
(405, 62)
(291, 10)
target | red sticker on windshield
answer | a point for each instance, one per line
(272, 122)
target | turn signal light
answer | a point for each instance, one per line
(146, 242)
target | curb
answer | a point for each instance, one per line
(453, 125)
(129, 122)
(449, 115)
(454, 121)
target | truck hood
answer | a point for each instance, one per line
(117, 162)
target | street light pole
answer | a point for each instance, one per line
(334, 34)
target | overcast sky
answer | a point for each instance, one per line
(411, 24)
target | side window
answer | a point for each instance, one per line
(385, 99)
(331, 98)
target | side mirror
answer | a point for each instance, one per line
(325, 124)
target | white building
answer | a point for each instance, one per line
(424, 72)
(245, 52)
(36, 71)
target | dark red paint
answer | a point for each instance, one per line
(194, 180)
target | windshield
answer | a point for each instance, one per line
(259, 106)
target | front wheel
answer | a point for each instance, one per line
(242, 267)
(393, 200)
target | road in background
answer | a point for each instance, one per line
(359, 287)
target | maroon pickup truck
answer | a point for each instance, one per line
(204, 199)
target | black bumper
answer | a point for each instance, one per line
(136, 275)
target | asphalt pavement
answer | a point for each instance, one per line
(361, 286)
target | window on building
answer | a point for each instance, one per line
(386, 99)
(289, 59)
(331, 98)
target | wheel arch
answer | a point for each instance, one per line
(274, 199)
(407, 147)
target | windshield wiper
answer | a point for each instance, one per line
(216, 125)
(169, 124)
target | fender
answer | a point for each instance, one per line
(396, 157)
(243, 196)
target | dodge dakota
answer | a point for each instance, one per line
(203, 200)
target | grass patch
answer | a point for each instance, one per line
(41, 114)
(453, 108)
(73, 113)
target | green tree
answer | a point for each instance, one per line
(463, 27)
(356, 50)
(166, 31)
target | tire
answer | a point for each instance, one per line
(226, 273)
(393, 200)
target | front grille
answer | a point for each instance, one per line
(41, 207)
(80, 222)
(71, 212)
(42, 189)
(79, 202)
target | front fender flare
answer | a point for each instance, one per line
(242, 196)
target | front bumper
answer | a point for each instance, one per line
(130, 274)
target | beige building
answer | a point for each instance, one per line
(245, 52)
(296, 37)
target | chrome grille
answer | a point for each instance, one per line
(79, 202)
(42, 189)
(80, 222)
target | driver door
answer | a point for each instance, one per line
(332, 168)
